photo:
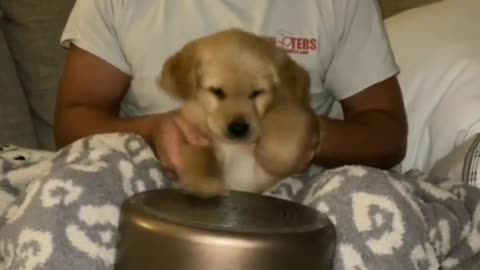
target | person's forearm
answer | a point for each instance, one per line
(77, 122)
(370, 139)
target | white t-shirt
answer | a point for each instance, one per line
(342, 43)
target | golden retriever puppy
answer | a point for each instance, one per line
(241, 90)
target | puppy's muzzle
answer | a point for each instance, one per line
(238, 129)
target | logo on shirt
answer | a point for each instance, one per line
(294, 44)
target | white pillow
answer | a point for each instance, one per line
(438, 50)
(462, 164)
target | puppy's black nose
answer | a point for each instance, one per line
(238, 129)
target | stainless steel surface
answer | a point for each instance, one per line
(166, 229)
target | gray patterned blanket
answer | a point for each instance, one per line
(60, 210)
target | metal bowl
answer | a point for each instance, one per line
(167, 229)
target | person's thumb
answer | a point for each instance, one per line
(191, 133)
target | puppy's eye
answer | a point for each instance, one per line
(218, 92)
(256, 93)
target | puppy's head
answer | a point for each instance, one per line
(235, 76)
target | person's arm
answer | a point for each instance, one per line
(362, 76)
(373, 132)
(89, 97)
(96, 75)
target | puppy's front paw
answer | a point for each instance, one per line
(204, 188)
(286, 133)
(201, 175)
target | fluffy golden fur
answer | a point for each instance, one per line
(242, 91)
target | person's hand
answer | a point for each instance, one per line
(289, 143)
(309, 150)
(170, 133)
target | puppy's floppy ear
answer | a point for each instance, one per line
(179, 75)
(295, 79)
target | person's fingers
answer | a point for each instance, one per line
(174, 149)
(169, 139)
(160, 152)
(314, 138)
(191, 133)
(306, 161)
(313, 142)
(165, 163)
(168, 143)
(170, 175)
